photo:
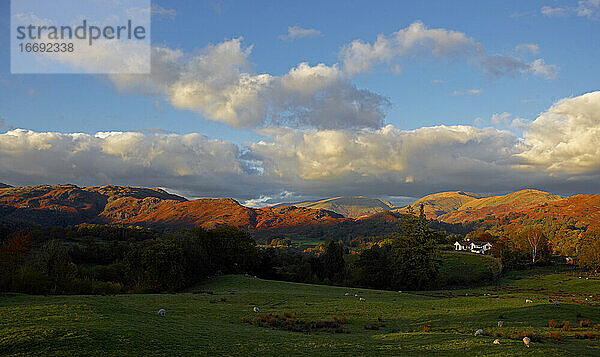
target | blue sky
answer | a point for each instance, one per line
(423, 90)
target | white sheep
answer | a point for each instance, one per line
(362, 299)
(256, 309)
(355, 295)
(526, 341)
(347, 294)
(528, 301)
(479, 332)
(161, 312)
(497, 341)
(500, 323)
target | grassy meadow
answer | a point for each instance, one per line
(217, 318)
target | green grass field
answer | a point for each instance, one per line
(467, 269)
(208, 320)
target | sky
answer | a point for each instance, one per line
(280, 101)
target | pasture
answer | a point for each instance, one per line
(217, 318)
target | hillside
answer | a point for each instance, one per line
(519, 201)
(348, 206)
(61, 205)
(3, 185)
(438, 204)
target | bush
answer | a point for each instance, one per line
(552, 324)
(530, 334)
(584, 323)
(566, 326)
(297, 325)
(586, 335)
(597, 327)
(427, 328)
(557, 336)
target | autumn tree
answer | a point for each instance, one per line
(589, 249)
(533, 241)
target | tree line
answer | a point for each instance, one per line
(111, 259)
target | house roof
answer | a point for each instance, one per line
(464, 243)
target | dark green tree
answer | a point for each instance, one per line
(332, 259)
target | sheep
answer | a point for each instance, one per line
(347, 294)
(362, 299)
(526, 341)
(497, 341)
(161, 312)
(355, 295)
(479, 332)
(528, 301)
(256, 309)
(500, 323)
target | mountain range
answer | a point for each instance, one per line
(353, 207)
(60, 205)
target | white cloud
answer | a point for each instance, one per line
(296, 32)
(548, 71)
(528, 47)
(501, 118)
(387, 158)
(467, 92)
(565, 140)
(560, 150)
(218, 84)
(166, 160)
(554, 11)
(359, 56)
(589, 9)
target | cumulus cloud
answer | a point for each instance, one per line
(387, 160)
(296, 32)
(359, 56)
(501, 118)
(560, 151)
(183, 162)
(219, 84)
(565, 140)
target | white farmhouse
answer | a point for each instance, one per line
(472, 246)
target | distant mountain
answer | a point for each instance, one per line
(352, 207)
(499, 205)
(61, 205)
(439, 204)
(3, 185)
